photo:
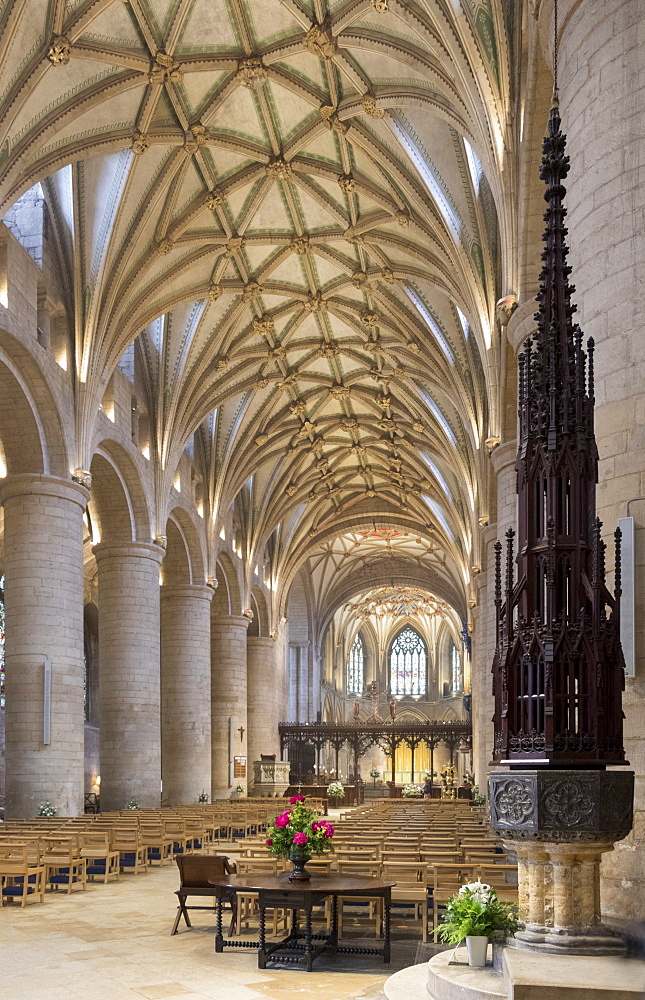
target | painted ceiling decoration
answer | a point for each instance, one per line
(297, 208)
(398, 602)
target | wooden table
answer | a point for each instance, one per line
(278, 891)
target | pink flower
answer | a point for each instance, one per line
(268, 841)
(296, 798)
(316, 827)
(282, 820)
(300, 839)
(328, 828)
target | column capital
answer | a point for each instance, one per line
(503, 456)
(194, 591)
(261, 640)
(128, 550)
(239, 620)
(35, 484)
(521, 324)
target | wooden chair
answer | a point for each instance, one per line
(157, 843)
(195, 870)
(63, 862)
(443, 882)
(369, 869)
(132, 853)
(20, 878)
(101, 857)
(410, 888)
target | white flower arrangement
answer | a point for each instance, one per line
(375, 773)
(480, 892)
(46, 809)
(239, 789)
(132, 804)
(335, 790)
(202, 797)
(411, 790)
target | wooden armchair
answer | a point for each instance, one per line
(21, 876)
(195, 870)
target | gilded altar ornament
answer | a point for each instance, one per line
(140, 142)
(164, 69)
(346, 183)
(252, 72)
(371, 108)
(320, 41)
(299, 245)
(59, 52)
(278, 168)
(214, 292)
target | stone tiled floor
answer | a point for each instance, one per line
(113, 943)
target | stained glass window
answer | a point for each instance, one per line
(1, 642)
(408, 663)
(455, 669)
(355, 663)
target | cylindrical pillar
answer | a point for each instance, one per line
(185, 693)
(43, 568)
(228, 704)
(129, 675)
(303, 684)
(265, 698)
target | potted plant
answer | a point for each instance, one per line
(132, 804)
(202, 797)
(46, 809)
(335, 790)
(296, 834)
(476, 914)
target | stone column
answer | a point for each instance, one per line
(43, 568)
(129, 675)
(303, 683)
(228, 702)
(292, 703)
(602, 104)
(185, 693)
(266, 706)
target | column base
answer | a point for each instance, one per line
(598, 940)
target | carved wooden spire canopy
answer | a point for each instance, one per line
(558, 669)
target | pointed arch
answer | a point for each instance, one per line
(408, 663)
(355, 666)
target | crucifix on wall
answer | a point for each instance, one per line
(241, 731)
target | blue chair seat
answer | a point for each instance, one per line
(63, 879)
(16, 890)
(96, 869)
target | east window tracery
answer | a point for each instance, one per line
(408, 664)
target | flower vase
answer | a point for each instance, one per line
(477, 945)
(299, 857)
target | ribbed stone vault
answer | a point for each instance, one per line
(299, 209)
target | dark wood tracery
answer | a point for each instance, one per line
(558, 670)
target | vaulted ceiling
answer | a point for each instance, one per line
(301, 208)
